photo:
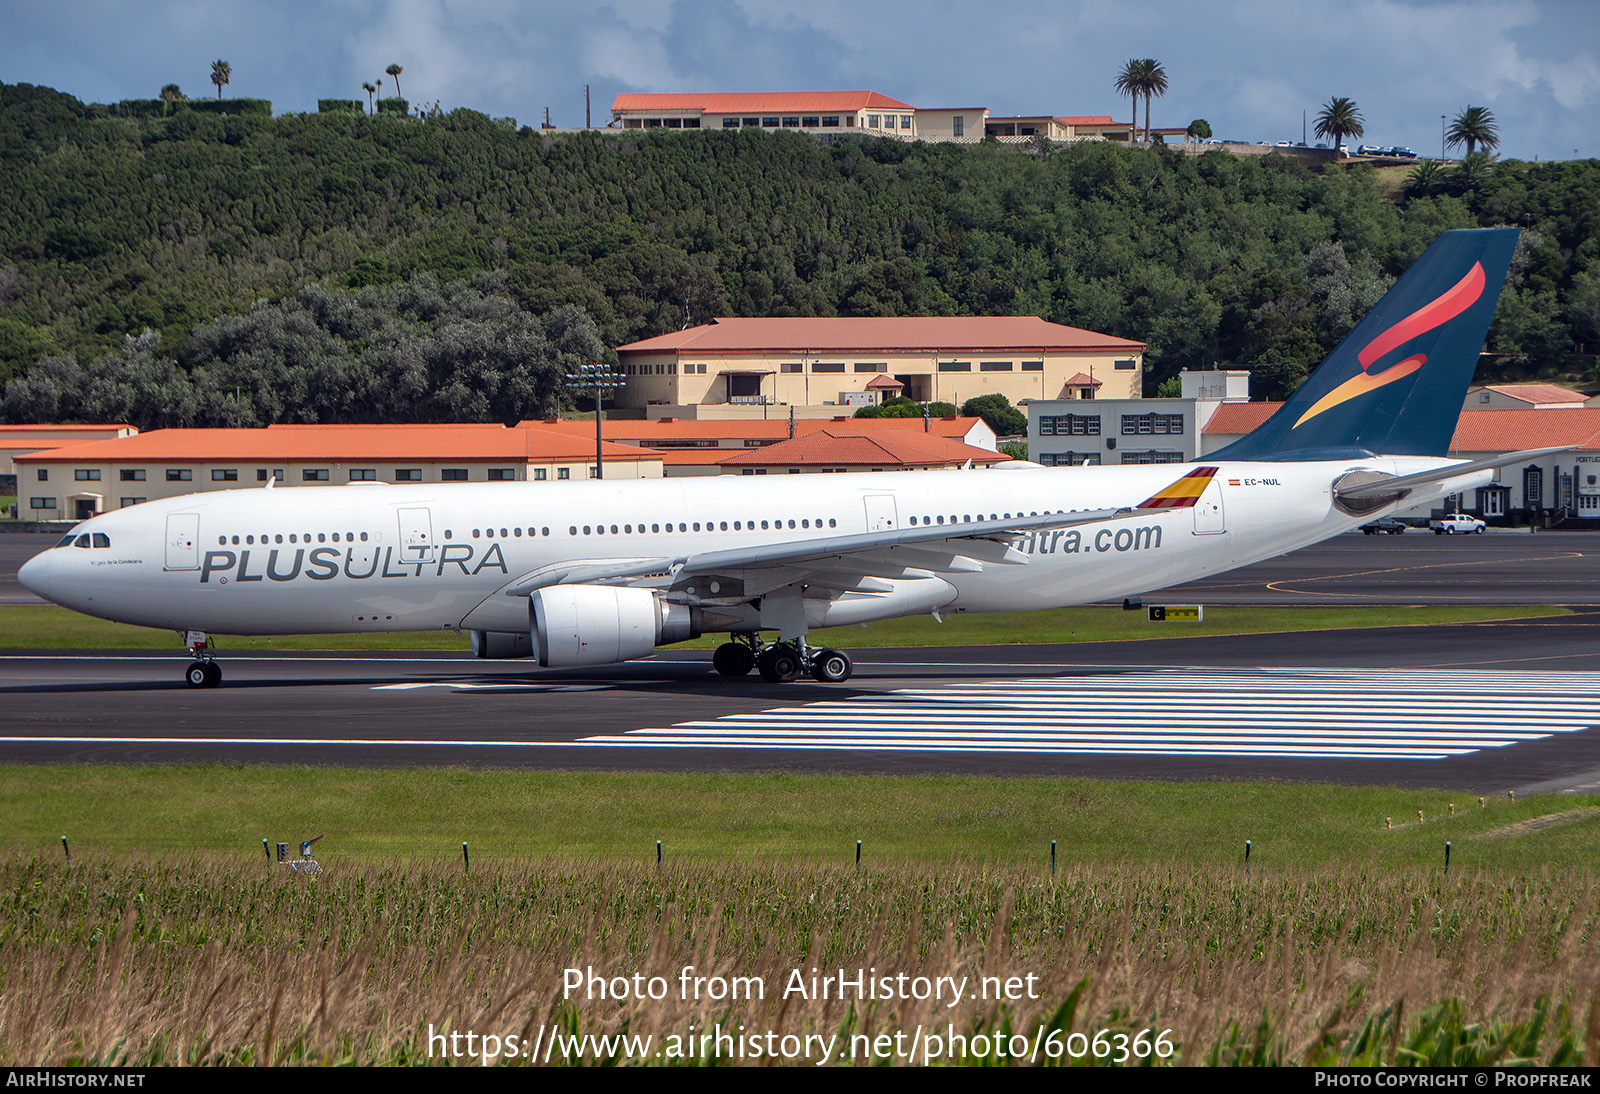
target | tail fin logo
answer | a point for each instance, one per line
(1430, 316)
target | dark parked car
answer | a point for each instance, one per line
(1384, 524)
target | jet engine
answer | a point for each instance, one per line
(577, 625)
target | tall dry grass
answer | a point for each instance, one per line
(207, 960)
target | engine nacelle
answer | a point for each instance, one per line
(502, 644)
(577, 625)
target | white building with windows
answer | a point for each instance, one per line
(1077, 431)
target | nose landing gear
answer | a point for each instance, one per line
(202, 672)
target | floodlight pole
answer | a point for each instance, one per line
(600, 378)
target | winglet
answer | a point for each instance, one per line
(1182, 494)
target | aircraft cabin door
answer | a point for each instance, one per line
(881, 515)
(416, 535)
(183, 541)
(1208, 515)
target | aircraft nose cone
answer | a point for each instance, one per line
(35, 574)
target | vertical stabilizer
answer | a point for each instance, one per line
(1394, 386)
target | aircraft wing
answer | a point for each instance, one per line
(851, 562)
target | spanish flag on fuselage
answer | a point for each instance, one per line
(1182, 494)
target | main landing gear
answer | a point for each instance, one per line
(781, 662)
(202, 672)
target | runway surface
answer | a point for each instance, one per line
(1486, 707)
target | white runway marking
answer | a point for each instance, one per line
(468, 686)
(1359, 714)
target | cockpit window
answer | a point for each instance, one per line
(82, 541)
(102, 540)
(66, 540)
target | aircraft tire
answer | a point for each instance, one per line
(831, 667)
(778, 664)
(733, 659)
(213, 674)
(197, 675)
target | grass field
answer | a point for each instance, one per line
(168, 938)
(210, 959)
(49, 627)
(506, 815)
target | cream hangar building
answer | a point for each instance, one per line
(825, 364)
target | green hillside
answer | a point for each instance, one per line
(260, 249)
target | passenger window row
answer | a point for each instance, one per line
(293, 537)
(709, 526)
(505, 533)
(968, 518)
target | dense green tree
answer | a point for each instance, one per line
(112, 225)
(1340, 293)
(997, 413)
(898, 406)
(1339, 119)
(1199, 130)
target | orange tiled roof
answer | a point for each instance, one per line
(941, 334)
(1238, 418)
(46, 427)
(755, 102)
(1513, 430)
(1083, 379)
(34, 442)
(1088, 119)
(1537, 393)
(465, 443)
(754, 429)
(691, 457)
(826, 448)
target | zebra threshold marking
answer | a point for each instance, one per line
(1332, 713)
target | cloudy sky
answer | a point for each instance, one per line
(1250, 67)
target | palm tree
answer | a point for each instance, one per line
(1475, 169)
(220, 71)
(1425, 178)
(1131, 84)
(366, 85)
(1472, 127)
(1142, 76)
(1155, 83)
(1339, 119)
(395, 70)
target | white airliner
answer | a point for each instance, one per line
(593, 573)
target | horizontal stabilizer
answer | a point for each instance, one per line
(1380, 487)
